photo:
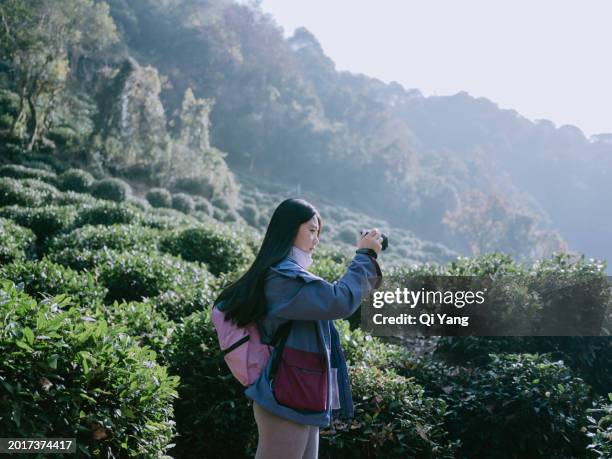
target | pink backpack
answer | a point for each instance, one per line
(245, 354)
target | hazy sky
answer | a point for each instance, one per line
(544, 58)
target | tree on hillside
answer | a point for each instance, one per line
(39, 41)
(489, 223)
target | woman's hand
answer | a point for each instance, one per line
(372, 240)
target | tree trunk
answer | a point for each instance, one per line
(20, 114)
(32, 124)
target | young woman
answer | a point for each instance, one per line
(304, 384)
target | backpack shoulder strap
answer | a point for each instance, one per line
(280, 337)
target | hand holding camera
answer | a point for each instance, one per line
(373, 239)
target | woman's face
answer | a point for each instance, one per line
(308, 235)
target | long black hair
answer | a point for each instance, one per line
(244, 300)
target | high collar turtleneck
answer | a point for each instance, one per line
(304, 259)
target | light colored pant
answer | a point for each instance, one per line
(280, 438)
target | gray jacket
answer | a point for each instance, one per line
(292, 293)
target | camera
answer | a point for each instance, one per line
(385, 239)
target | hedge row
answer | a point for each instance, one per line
(16, 242)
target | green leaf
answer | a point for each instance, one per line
(52, 361)
(28, 335)
(88, 398)
(23, 345)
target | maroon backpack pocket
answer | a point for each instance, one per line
(301, 380)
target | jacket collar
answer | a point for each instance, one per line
(290, 268)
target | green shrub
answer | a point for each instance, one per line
(159, 197)
(26, 192)
(185, 299)
(77, 258)
(249, 213)
(132, 275)
(106, 213)
(162, 218)
(519, 405)
(141, 205)
(63, 136)
(44, 278)
(20, 172)
(218, 214)
(348, 235)
(38, 165)
(72, 197)
(393, 418)
(589, 356)
(199, 186)
(231, 216)
(222, 250)
(43, 221)
(210, 398)
(183, 203)
(24, 157)
(142, 321)
(47, 191)
(327, 268)
(76, 180)
(221, 203)
(12, 192)
(64, 374)
(117, 237)
(600, 428)
(249, 235)
(361, 349)
(111, 189)
(16, 242)
(204, 205)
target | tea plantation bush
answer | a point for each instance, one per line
(210, 399)
(131, 275)
(183, 301)
(519, 405)
(393, 418)
(38, 165)
(363, 349)
(44, 221)
(203, 205)
(106, 213)
(22, 172)
(72, 197)
(142, 321)
(183, 203)
(118, 237)
(589, 356)
(64, 374)
(162, 218)
(43, 278)
(198, 185)
(159, 197)
(76, 180)
(222, 250)
(600, 428)
(13, 192)
(27, 192)
(111, 189)
(249, 213)
(16, 242)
